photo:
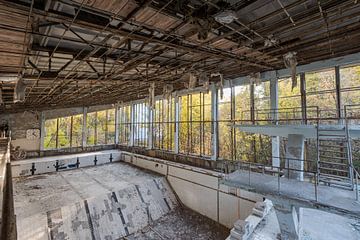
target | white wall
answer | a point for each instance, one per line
(199, 189)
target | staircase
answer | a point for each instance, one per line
(334, 156)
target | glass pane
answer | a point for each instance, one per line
(91, 128)
(64, 132)
(76, 140)
(50, 134)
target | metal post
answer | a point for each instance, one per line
(117, 124)
(316, 181)
(249, 172)
(214, 120)
(177, 123)
(303, 97)
(150, 130)
(42, 131)
(278, 180)
(338, 93)
(84, 127)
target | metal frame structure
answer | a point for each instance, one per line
(129, 46)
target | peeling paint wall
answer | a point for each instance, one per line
(18, 124)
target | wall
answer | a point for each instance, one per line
(18, 124)
(199, 189)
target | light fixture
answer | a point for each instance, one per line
(19, 91)
(290, 62)
(226, 17)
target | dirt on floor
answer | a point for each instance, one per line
(182, 224)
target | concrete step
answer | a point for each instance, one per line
(341, 184)
(333, 169)
(331, 151)
(341, 178)
(333, 157)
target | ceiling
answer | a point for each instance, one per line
(90, 52)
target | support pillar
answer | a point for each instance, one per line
(274, 102)
(150, 130)
(42, 132)
(132, 126)
(117, 124)
(338, 95)
(295, 156)
(83, 130)
(214, 118)
(177, 124)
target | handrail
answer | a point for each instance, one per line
(354, 173)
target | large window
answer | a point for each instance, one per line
(289, 101)
(164, 124)
(225, 117)
(262, 101)
(50, 140)
(141, 124)
(124, 116)
(195, 124)
(350, 88)
(63, 132)
(101, 127)
(321, 93)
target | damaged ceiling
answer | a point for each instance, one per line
(87, 52)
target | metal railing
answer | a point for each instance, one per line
(8, 219)
(281, 171)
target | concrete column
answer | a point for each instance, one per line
(295, 156)
(132, 118)
(116, 125)
(288, 218)
(84, 128)
(214, 118)
(177, 124)
(150, 130)
(338, 94)
(274, 105)
(42, 131)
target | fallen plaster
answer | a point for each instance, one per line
(182, 224)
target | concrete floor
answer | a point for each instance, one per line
(52, 206)
(330, 198)
(315, 225)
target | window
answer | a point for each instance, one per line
(64, 132)
(77, 125)
(110, 138)
(141, 124)
(101, 127)
(289, 100)
(195, 124)
(164, 124)
(91, 128)
(225, 132)
(50, 140)
(321, 93)
(124, 124)
(262, 101)
(350, 89)
(243, 144)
